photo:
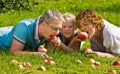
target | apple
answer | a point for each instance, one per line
(116, 63)
(42, 49)
(97, 63)
(51, 62)
(41, 68)
(92, 60)
(82, 36)
(112, 71)
(93, 65)
(26, 64)
(79, 62)
(88, 50)
(14, 62)
(21, 66)
(52, 38)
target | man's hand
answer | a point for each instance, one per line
(56, 41)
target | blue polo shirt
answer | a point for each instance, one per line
(26, 31)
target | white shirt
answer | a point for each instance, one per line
(111, 35)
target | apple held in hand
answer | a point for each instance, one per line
(116, 63)
(82, 36)
(52, 38)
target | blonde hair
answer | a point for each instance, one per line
(51, 15)
(70, 18)
(91, 16)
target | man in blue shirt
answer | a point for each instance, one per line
(30, 33)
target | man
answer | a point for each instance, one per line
(30, 33)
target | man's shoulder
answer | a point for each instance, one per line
(28, 21)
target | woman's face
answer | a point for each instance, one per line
(67, 29)
(87, 27)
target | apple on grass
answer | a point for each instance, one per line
(27, 64)
(49, 61)
(83, 36)
(112, 71)
(92, 61)
(79, 61)
(97, 63)
(14, 62)
(88, 50)
(116, 63)
(41, 68)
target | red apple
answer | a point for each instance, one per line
(112, 71)
(42, 49)
(82, 36)
(116, 63)
(26, 64)
(97, 63)
(53, 38)
(51, 62)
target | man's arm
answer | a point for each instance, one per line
(17, 49)
(74, 45)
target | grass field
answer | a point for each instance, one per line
(65, 62)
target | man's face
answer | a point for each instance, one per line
(67, 29)
(53, 28)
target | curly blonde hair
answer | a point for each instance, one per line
(91, 16)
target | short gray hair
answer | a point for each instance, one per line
(51, 15)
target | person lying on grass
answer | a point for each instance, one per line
(104, 37)
(68, 36)
(31, 33)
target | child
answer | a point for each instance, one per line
(68, 34)
(104, 36)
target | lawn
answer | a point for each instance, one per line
(65, 63)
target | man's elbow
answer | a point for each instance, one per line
(13, 52)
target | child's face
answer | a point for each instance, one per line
(67, 29)
(87, 27)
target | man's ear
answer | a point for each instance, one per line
(43, 23)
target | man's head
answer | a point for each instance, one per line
(50, 23)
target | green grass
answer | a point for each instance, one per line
(65, 62)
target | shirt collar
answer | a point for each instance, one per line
(36, 29)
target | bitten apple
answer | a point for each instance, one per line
(52, 38)
(116, 63)
(82, 36)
